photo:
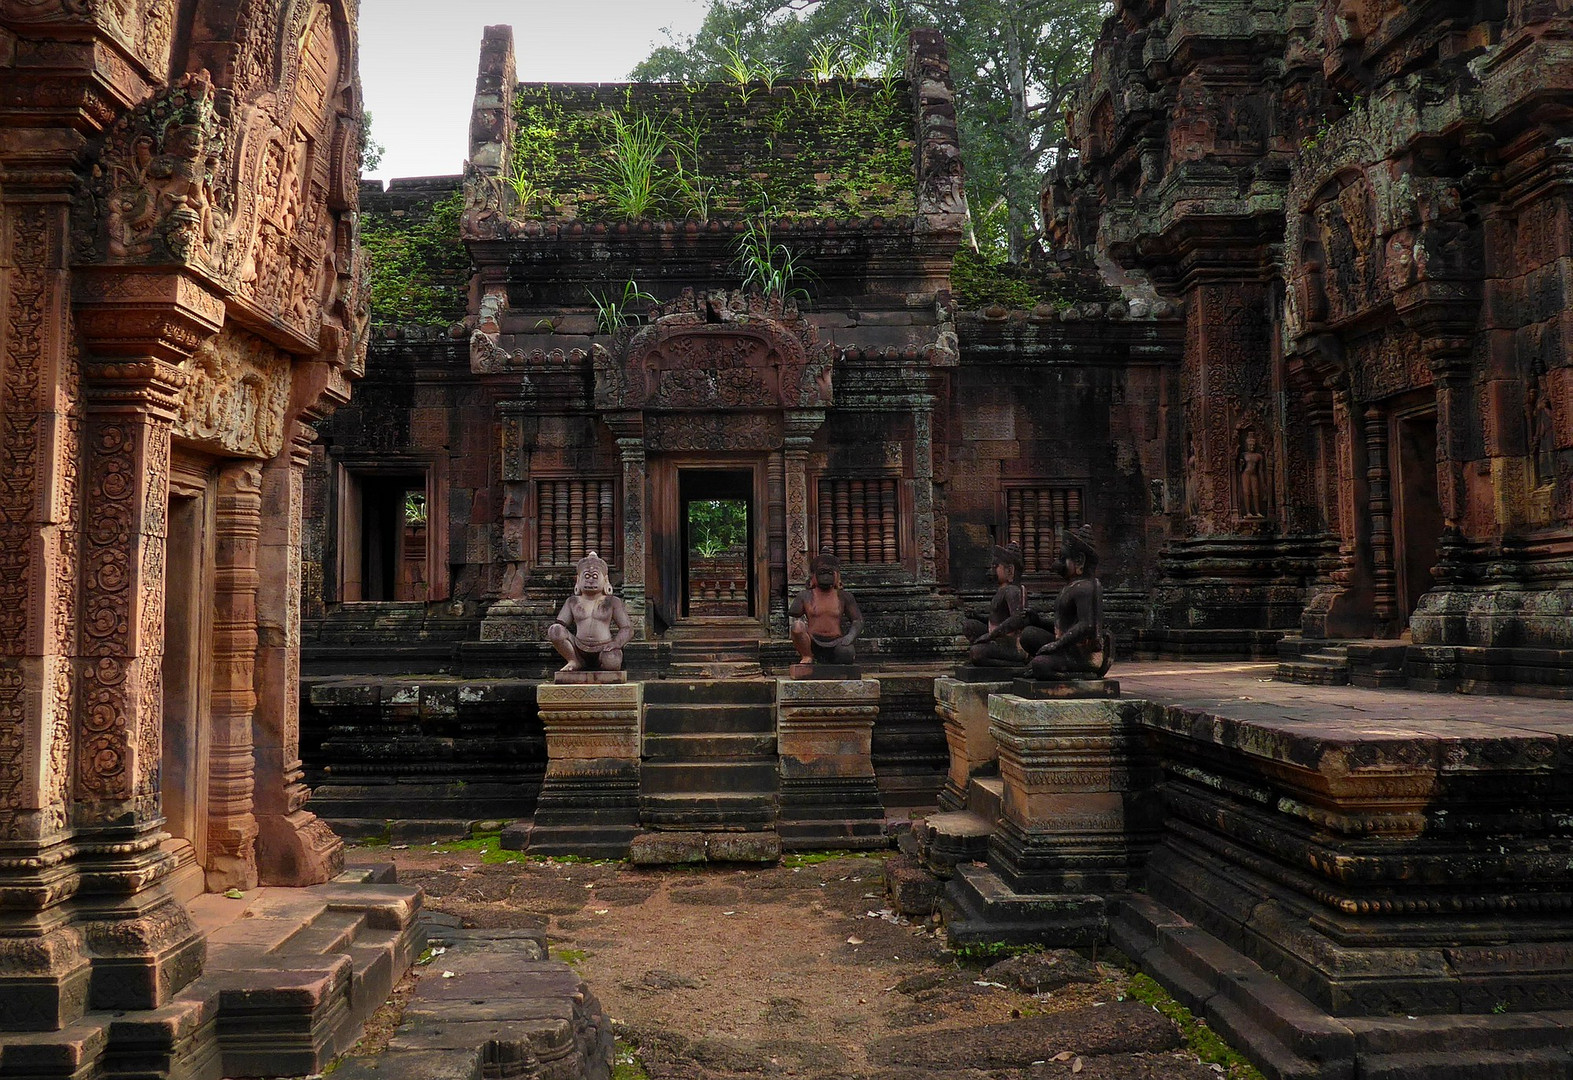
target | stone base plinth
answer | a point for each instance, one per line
(963, 705)
(828, 797)
(830, 672)
(987, 673)
(1078, 809)
(589, 802)
(980, 906)
(1064, 689)
(589, 678)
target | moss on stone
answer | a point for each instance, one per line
(419, 268)
(977, 281)
(800, 151)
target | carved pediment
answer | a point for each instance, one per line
(721, 351)
(236, 399)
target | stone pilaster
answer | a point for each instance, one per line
(232, 826)
(294, 846)
(43, 971)
(964, 708)
(589, 802)
(140, 326)
(629, 429)
(800, 425)
(824, 734)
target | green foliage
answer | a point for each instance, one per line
(767, 264)
(371, 150)
(569, 956)
(795, 860)
(978, 280)
(1203, 1041)
(809, 150)
(612, 313)
(626, 1064)
(716, 526)
(983, 953)
(1016, 64)
(419, 268)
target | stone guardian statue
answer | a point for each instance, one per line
(1081, 648)
(592, 628)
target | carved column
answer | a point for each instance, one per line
(923, 490)
(294, 847)
(40, 518)
(1451, 371)
(775, 497)
(1378, 480)
(800, 426)
(232, 827)
(139, 327)
(629, 430)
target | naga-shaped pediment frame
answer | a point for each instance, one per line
(718, 351)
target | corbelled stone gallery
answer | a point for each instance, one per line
(735, 518)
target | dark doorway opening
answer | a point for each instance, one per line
(393, 537)
(187, 662)
(1417, 514)
(717, 517)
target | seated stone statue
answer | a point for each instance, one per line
(1081, 648)
(825, 617)
(593, 625)
(998, 642)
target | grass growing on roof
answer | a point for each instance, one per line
(419, 268)
(813, 150)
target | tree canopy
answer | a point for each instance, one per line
(1015, 64)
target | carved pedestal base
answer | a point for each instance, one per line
(589, 802)
(49, 989)
(143, 947)
(825, 732)
(826, 672)
(297, 849)
(1078, 812)
(963, 705)
(589, 678)
(1064, 689)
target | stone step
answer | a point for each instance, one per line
(716, 669)
(705, 719)
(708, 810)
(985, 797)
(949, 838)
(330, 932)
(679, 778)
(709, 692)
(1314, 671)
(705, 745)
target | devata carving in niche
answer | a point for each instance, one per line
(593, 625)
(1253, 478)
(1081, 647)
(1542, 431)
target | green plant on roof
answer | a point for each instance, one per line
(693, 187)
(632, 171)
(765, 263)
(612, 312)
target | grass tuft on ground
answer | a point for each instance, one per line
(1202, 1040)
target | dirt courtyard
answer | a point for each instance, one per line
(801, 970)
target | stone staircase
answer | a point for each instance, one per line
(709, 756)
(959, 836)
(1321, 662)
(290, 979)
(715, 648)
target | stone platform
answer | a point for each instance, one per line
(1356, 882)
(290, 978)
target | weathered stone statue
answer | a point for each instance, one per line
(592, 627)
(825, 618)
(998, 643)
(1253, 479)
(1081, 648)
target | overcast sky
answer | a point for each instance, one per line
(418, 60)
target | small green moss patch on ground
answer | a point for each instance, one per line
(1203, 1041)
(984, 953)
(569, 956)
(626, 1064)
(795, 860)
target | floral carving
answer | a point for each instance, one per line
(237, 396)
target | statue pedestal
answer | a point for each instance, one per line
(589, 678)
(963, 705)
(589, 803)
(1078, 809)
(826, 672)
(1064, 689)
(824, 736)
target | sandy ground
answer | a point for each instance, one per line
(796, 971)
